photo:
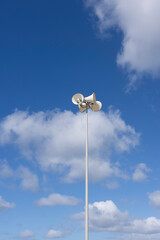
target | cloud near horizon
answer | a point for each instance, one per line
(106, 217)
(56, 141)
(26, 234)
(139, 23)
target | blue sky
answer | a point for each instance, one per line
(50, 50)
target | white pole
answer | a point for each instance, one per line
(86, 183)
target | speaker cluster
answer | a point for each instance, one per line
(86, 102)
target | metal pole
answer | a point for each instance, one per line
(86, 183)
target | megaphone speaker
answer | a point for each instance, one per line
(91, 98)
(82, 107)
(96, 106)
(77, 98)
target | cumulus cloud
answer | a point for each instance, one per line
(105, 216)
(139, 23)
(54, 234)
(4, 205)
(139, 174)
(58, 199)
(154, 198)
(27, 234)
(56, 140)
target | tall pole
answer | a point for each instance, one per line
(86, 183)
(83, 104)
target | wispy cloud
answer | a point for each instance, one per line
(5, 170)
(58, 199)
(139, 23)
(139, 236)
(4, 205)
(112, 185)
(26, 234)
(154, 198)
(56, 140)
(140, 173)
(28, 179)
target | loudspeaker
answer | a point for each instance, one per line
(96, 106)
(77, 98)
(91, 98)
(82, 107)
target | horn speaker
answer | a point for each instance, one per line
(91, 98)
(96, 106)
(82, 107)
(77, 98)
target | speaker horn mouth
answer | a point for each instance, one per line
(96, 106)
(91, 98)
(77, 98)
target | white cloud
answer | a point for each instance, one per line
(139, 23)
(139, 174)
(105, 216)
(29, 180)
(54, 234)
(56, 140)
(4, 205)
(27, 234)
(154, 198)
(58, 199)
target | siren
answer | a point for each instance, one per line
(91, 98)
(82, 107)
(96, 106)
(77, 98)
